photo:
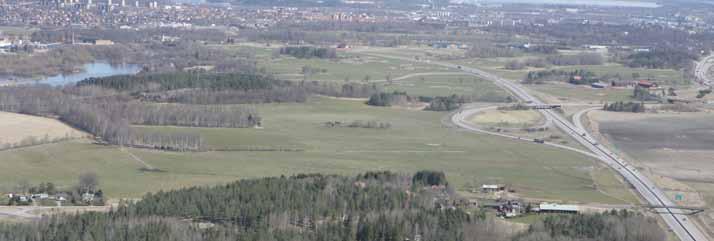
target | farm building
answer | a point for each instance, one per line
(487, 188)
(646, 84)
(556, 208)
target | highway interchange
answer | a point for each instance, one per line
(678, 223)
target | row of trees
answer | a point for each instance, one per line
(436, 103)
(223, 88)
(579, 76)
(560, 60)
(307, 52)
(389, 99)
(184, 115)
(620, 106)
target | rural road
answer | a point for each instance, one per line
(677, 222)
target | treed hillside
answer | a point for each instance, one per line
(375, 206)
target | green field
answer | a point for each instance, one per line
(348, 65)
(573, 93)
(445, 85)
(416, 141)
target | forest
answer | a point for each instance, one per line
(374, 206)
(224, 88)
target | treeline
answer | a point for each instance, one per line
(184, 115)
(490, 51)
(665, 58)
(224, 88)
(576, 59)
(559, 60)
(110, 119)
(436, 103)
(184, 80)
(620, 106)
(390, 99)
(307, 52)
(579, 76)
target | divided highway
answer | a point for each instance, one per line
(685, 229)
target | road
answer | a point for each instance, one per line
(682, 227)
(701, 70)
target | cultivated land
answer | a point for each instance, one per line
(675, 149)
(417, 140)
(16, 128)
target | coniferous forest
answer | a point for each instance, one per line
(375, 206)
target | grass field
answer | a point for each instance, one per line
(501, 118)
(574, 93)
(416, 141)
(348, 66)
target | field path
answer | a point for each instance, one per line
(136, 158)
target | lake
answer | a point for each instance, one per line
(96, 69)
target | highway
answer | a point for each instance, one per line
(677, 222)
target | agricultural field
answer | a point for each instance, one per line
(563, 92)
(674, 149)
(17, 128)
(295, 140)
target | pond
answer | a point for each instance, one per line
(96, 69)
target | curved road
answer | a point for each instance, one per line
(701, 70)
(677, 222)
